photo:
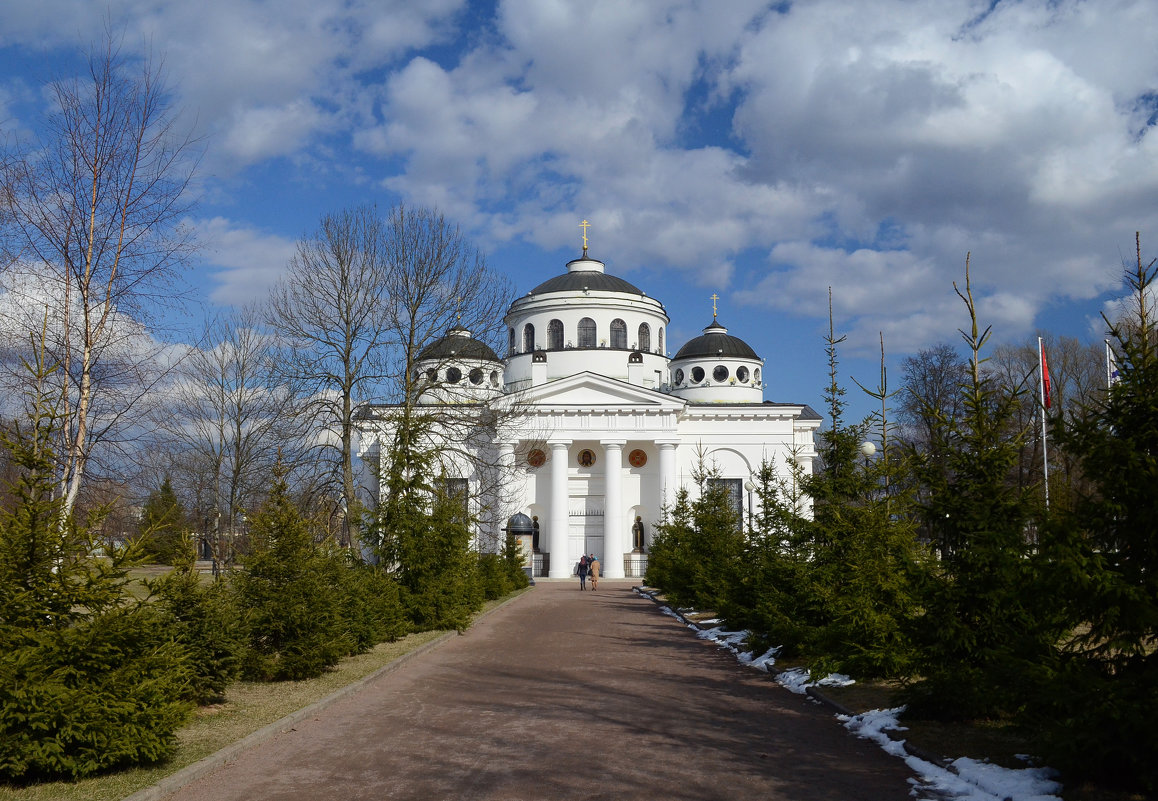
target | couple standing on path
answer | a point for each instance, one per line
(588, 567)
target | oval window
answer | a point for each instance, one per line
(697, 374)
(494, 378)
(453, 375)
(741, 373)
(432, 375)
(720, 374)
(678, 377)
(756, 375)
(476, 376)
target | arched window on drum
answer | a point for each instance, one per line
(528, 338)
(586, 333)
(619, 334)
(660, 351)
(644, 338)
(555, 335)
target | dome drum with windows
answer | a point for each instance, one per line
(717, 367)
(457, 368)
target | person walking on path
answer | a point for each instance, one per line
(581, 571)
(593, 572)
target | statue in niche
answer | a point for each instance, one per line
(535, 533)
(637, 534)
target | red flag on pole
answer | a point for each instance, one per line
(1045, 378)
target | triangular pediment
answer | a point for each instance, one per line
(590, 390)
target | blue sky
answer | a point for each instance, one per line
(762, 152)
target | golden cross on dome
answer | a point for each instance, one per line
(584, 225)
(715, 297)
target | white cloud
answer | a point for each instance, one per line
(250, 261)
(870, 143)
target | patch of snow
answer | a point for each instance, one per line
(968, 779)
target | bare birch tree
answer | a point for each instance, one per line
(93, 209)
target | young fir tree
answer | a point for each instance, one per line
(90, 678)
(698, 547)
(162, 526)
(985, 624)
(765, 598)
(1098, 702)
(206, 620)
(290, 592)
(862, 549)
(425, 534)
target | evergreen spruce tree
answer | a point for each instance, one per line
(1098, 702)
(425, 534)
(89, 677)
(206, 620)
(162, 526)
(986, 625)
(857, 579)
(766, 597)
(697, 549)
(291, 593)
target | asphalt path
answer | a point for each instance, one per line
(565, 694)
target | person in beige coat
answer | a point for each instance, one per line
(593, 571)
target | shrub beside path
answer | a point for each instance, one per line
(564, 695)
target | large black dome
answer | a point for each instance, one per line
(578, 281)
(458, 344)
(716, 341)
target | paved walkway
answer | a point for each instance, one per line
(566, 695)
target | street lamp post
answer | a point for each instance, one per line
(748, 485)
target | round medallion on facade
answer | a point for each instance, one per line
(586, 457)
(637, 458)
(536, 458)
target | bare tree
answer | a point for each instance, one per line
(439, 281)
(332, 312)
(92, 210)
(230, 417)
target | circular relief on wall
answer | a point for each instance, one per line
(637, 458)
(536, 458)
(586, 457)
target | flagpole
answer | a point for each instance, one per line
(1109, 369)
(1041, 368)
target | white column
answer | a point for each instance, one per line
(667, 472)
(503, 495)
(612, 556)
(557, 521)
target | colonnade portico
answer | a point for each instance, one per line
(617, 521)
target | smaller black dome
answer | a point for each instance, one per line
(716, 341)
(458, 343)
(520, 524)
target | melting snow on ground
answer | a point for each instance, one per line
(965, 779)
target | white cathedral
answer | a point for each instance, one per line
(597, 427)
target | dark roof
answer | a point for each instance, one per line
(716, 341)
(585, 279)
(459, 344)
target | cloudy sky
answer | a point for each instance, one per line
(763, 152)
